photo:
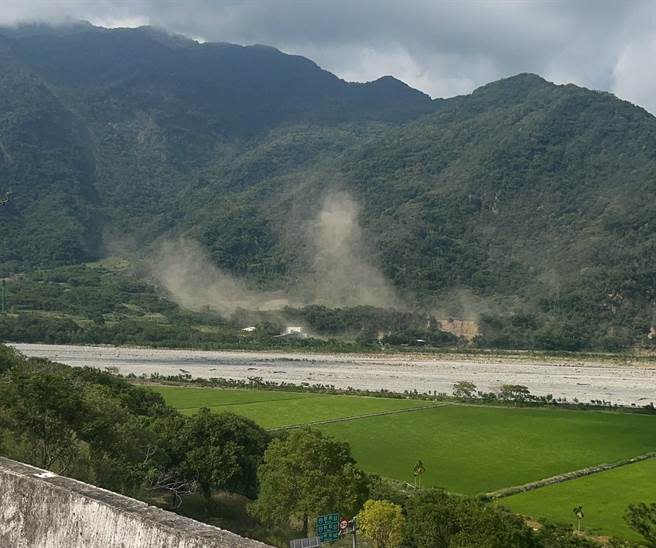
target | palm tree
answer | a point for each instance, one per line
(578, 512)
(418, 470)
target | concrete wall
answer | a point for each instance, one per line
(41, 510)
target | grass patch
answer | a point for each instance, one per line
(273, 409)
(292, 412)
(475, 449)
(604, 497)
(194, 398)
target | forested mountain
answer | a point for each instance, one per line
(528, 205)
(540, 199)
(137, 115)
(47, 165)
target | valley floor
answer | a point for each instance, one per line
(470, 449)
(619, 381)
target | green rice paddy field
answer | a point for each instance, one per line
(467, 448)
(604, 497)
(275, 409)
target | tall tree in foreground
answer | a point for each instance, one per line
(307, 474)
(222, 452)
(382, 522)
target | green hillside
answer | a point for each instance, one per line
(538, 199)
(133, 120)
(525, 206)
(45, 163)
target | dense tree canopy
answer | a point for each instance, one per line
(437, 519)
(99, 428)
(222, 452)
(641, 517)
(306, 474)
(383, 522)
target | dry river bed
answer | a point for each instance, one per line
(619, 382)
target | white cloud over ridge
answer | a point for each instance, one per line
(442, 47)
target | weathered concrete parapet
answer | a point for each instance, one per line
(39, 509)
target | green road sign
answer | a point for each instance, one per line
(328, 527)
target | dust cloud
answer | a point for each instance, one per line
(339, 274)
(342, 272)
(184, 268)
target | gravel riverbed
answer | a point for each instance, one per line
(619, 382)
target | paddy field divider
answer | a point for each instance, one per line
(567, 476)
(356, 417)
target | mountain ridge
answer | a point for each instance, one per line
(525, 203)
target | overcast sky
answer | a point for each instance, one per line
(444, 48)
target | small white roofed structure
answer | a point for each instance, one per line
(250, 329)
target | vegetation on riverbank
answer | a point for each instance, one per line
(113, 302)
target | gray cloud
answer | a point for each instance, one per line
(442, 47)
